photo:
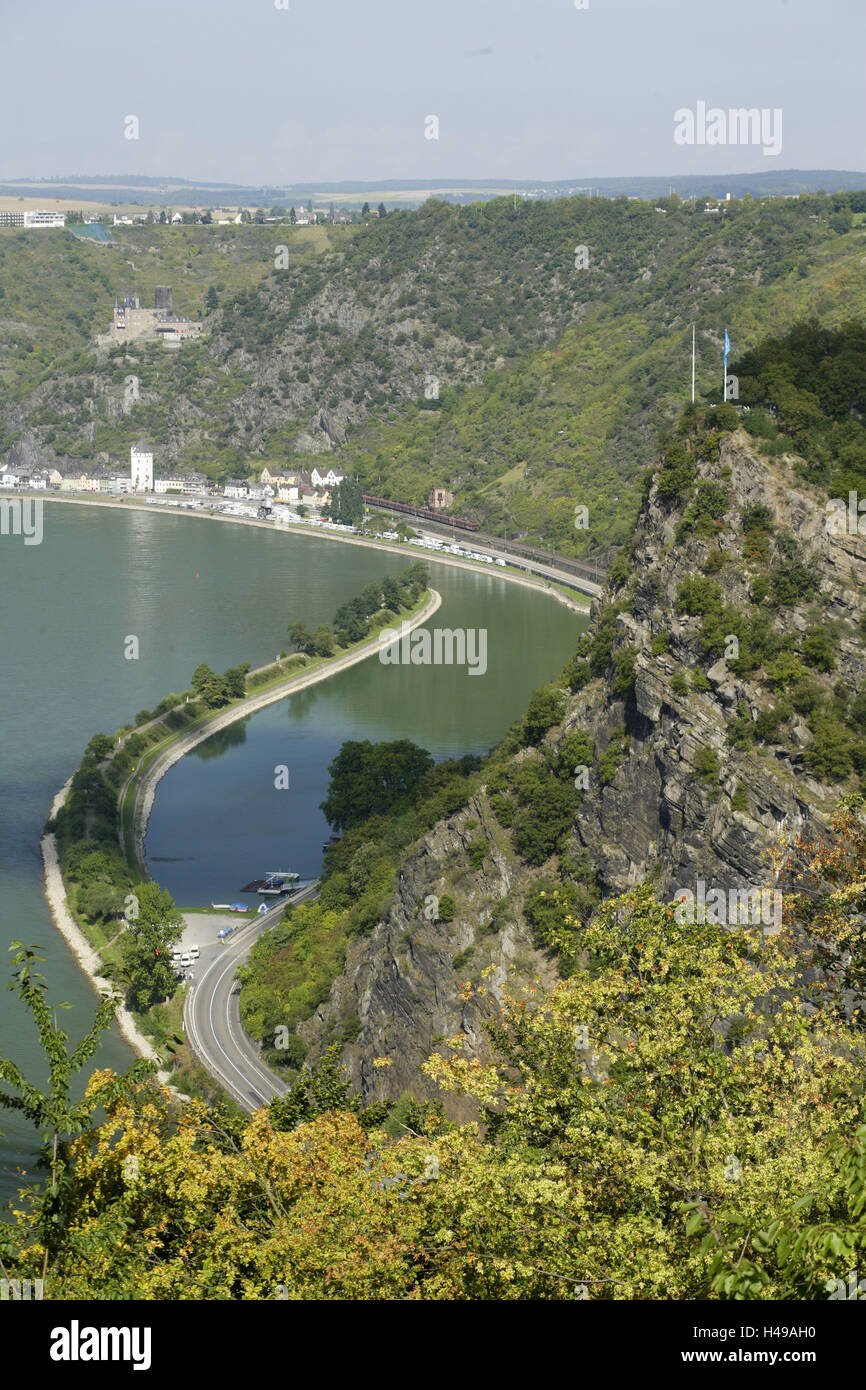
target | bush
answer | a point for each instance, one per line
(477, 851)
(447, 908)
(623, 673)
(612, 757)
(817, 647)
(707, 764)
(546, 708)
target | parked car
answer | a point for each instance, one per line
(194, 953)
(185, 960)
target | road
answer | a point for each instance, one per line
(524, 562)
(212, 1020)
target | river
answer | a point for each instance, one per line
(190, 590)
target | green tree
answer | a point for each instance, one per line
(53, 1113)
(301, 638)
(324, 641)
(370, 779)
(154, 926)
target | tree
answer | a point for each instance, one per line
(202, 677)
(381, 210)
(151, 932)
(369, 779)
(324, 641)
(365, 210)
(293, 216)
(235, 681)
(53, 1113)
(301, 638)
(211, 300)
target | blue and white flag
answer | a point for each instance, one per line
(727, 348)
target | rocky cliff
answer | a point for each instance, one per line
(705, 752)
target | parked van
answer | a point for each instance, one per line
(194, 953)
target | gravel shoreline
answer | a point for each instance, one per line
(87, 957)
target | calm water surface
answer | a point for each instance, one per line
(193, 591)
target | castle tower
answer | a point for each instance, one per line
(141, 467)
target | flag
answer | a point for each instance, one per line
(727, 347)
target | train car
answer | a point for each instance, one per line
(426, 513)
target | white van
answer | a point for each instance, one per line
(194, 953)
(185, 960)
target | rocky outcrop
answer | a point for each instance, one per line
(405, 987)
(684, 803)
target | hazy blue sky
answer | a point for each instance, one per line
(337, 89)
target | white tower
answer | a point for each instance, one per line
(141, 467)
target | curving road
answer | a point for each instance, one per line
(211, 1015)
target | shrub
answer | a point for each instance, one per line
(447, 908)
(546, 708)
(817, 647)
(477, 851)
(623, 673)
(707, 764)
(613, 755)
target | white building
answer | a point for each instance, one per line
(141, 467)
(32, 219)
(330, 478)
(236, 488)
(168, 485)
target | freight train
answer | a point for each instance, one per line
(426, 513)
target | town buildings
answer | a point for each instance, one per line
(14, 218)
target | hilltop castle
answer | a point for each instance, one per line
(133, 323)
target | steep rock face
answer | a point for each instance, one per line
(662, 811)
(399, 985)
(658, 815)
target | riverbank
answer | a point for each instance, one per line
(86, 956)
(578, 602)
(143, 783)
(185, 740)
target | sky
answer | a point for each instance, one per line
(327, 90)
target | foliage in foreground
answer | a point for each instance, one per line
(670, 1121)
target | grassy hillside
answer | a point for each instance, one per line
(461, 347)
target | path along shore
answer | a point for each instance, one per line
(55, 889)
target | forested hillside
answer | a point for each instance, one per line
(475, 348)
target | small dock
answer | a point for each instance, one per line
(272, 885)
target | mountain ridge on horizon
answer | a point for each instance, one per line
(758, 183)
